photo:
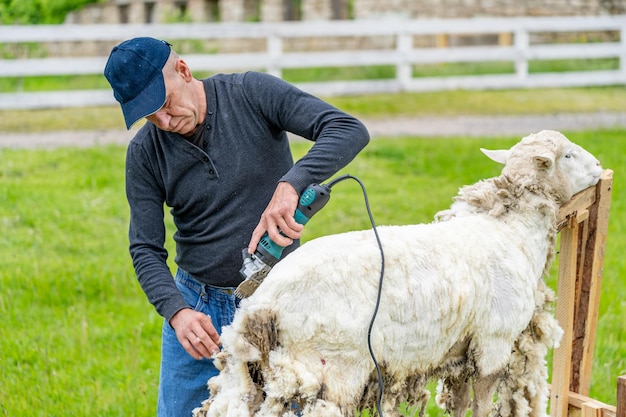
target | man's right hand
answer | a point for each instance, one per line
(278, 217)
(196, 333)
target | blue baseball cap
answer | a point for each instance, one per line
(135, 71)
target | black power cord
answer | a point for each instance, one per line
(380, 286)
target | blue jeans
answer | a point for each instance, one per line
(183, 380)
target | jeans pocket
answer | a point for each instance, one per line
(192, 297)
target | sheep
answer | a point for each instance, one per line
(463, 301)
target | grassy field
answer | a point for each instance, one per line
(448, 103)
(78, 337)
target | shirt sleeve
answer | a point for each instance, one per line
(338, 136)
(147, 234)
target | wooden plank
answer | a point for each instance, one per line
(56, 99)
(586, 318)
(600, 213)
(561, 365)
(580, 300)
(621, 396)
(51, 66)
(578, 203)
(576, 402)
(261, 60)
(591, 409)
(255, 60)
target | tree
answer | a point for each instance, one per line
(14, 12)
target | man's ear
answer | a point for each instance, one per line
(183, 69)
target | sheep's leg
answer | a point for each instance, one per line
(394, 393)
(454, 394)
(461, 395)
(416, 392)
(484, 390)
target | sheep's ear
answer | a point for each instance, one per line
(499, 156)
(543, 161)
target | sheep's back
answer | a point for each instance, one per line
(443, 282)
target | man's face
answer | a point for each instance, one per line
(181, 112)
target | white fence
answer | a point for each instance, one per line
(274, 58)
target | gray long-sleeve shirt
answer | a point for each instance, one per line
(218, 185)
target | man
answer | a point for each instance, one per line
(215, 151)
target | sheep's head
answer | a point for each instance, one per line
(548, 159)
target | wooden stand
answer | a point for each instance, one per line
(583, 224)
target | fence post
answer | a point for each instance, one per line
(562, 363)
(583, 224)
(404, 69)
(522, 44)
(622, 58)
(588, 286)
(621, 397)
(275, 52)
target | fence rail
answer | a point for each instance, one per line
(403, 55)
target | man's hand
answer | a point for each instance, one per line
(196, 333)
(278, 217)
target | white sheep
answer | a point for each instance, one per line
(463, 301)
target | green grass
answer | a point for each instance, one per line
(507, 67)
(440, 103)
(78, 337)
(53, 83)
(300, 75)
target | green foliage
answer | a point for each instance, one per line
(79, 338)
(20, 50)
(38, 11)
(178, 15)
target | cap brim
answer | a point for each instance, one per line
(148, 102)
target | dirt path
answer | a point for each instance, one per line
(469, 126)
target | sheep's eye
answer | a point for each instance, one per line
(568, 155)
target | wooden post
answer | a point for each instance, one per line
(562, 363)
(621, 397)
(583, 223)
(404, 68)
(591, 263)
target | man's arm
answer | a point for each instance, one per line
(338, 137)
(194, 330)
